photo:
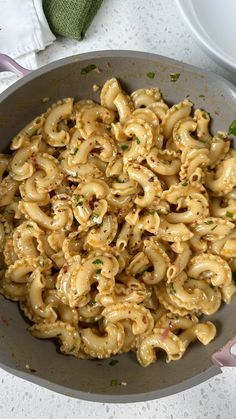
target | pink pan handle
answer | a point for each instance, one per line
(226, 356)
(8, 64)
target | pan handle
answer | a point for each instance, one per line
(226, 356)
(8, 64)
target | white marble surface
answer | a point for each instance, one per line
(154, 26)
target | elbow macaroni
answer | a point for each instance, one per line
(117, 225)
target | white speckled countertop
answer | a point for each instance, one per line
(153, 26)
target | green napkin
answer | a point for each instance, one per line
(70, 18)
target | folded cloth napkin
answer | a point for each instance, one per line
(23, 30)
(70, 18)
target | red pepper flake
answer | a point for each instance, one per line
(4, 321)
(165, 334)
(65, 269)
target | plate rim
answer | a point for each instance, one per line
(202, 42)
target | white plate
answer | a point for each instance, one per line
(213, 24)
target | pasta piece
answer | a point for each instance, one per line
(224, 179)
(149, 183)
(175, 114)
(146, 97)
(141, 317)
(64, 332)
(221, 273)
(54, 136)
(171, 344)
(103, 346)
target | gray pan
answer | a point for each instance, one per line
(85, 379)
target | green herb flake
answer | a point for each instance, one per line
(185, 183)
(232, 128)
(229, 214)
(95, 216)
(115, 382)
(202, 96)
(151, 74)
(97, 262)
(87, 69)
(79, 203)
(113, 362)
(92, 302)
(208, 222)
(138, 140)
(41, 263)
(178, 138)
(213, 228)
(98, 271)
(124, 147)
(142, 272)
(29, 226)
(172, 290)
(75, 151)
(174, 76)
(58, 335)
(73, 348)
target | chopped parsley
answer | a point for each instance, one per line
(29, 226)
(142, 272)
(95, 217)
(98, 271)
(185, 183)
(213, 228)
(115, 382)
(138, 140)
(124, 147)
(79, 203)
(151, 75)
(178, 138)
(113, 362)
(58, 335)
(229, 214)
(172, 290)
(97, 262)
(87, 69)
(92, 302)
(72, 349)
(201, 96)
(174, 76)
(208, 222)
(41, 263)
(75, 151)
(232, 128)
